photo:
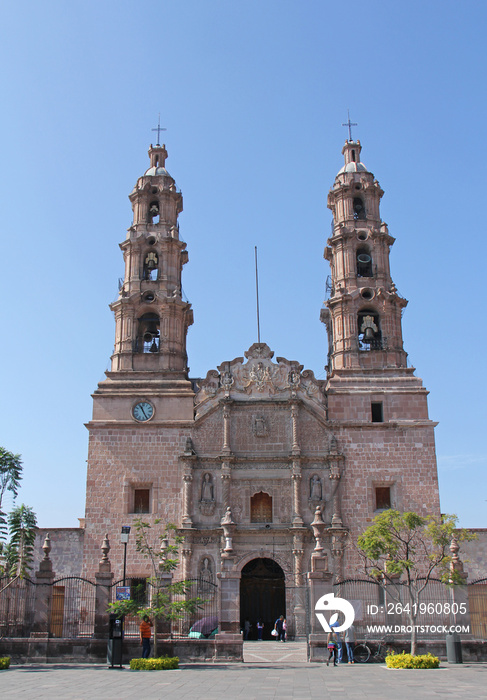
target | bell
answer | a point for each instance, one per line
(153, 347)
(363, 258)
(147, 337)
(369, 336)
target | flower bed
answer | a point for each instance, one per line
(409, 661)
(164, 663)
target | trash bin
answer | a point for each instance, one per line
(115, 639)
(453, 648)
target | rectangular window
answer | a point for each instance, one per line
(141, 501)
(382, 497)
(377, 413)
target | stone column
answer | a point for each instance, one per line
(188, 459)
(229, 640)
(226, 474)
(226, 428)
(296, 469)
(44, 578)
(104, 579)
(335, 476)
(299, 590)
(187, 481)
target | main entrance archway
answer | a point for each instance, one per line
(262, 595)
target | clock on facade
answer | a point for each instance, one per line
(143, 411)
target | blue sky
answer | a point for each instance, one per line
(253, 96)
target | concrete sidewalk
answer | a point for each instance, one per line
(251, 681)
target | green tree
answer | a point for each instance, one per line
(10, 477)
(19, 552)
(162, 551)
(402, 552)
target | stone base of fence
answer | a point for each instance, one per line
(472, 649)
(57, 650)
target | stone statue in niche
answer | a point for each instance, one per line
(206, 582)
(207, 501)
(315, 488)
(207, 488)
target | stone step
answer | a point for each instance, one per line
(275, 652)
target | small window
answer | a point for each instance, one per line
(382, 497)
(377, 412)
(142, 501)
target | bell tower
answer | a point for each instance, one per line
(151, 316)
(366, 357)
(363, 312)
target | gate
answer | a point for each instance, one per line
(72, 612)
(477, 599)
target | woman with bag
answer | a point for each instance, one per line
(332, 648)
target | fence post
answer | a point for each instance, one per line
(104, 579)
(44, 579)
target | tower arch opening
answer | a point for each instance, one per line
(358, 208)
(148, 333)
(364, 262)
(262, 596)
(369, 331)
(151, 266)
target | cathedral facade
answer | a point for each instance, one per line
(269, 473)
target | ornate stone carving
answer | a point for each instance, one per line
(260, 376)
(259, 426)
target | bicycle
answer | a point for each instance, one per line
(363, 653)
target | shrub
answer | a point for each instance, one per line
(163, 663)
(4, 663)
(409, 661)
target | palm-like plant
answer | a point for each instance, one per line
(22, 523)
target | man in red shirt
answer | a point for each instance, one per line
(145, 636)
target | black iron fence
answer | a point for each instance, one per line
(66, 607)
(17, 607)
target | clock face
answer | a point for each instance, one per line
(143, 411)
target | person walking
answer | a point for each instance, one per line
(331, 644)
(145, 636)
(349, 638)
(281, 632)
(339, 645)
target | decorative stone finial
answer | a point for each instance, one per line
(456, 564)
(228, 529)
(46, 547)
(105, 548)
(318, 526)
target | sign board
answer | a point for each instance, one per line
(122, 593)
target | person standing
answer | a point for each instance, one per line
(349, 638)
(339, 645)
(145, 636)
(278, 626)
(260, 629)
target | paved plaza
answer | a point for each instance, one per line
(281, 678)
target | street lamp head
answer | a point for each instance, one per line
(124, 537)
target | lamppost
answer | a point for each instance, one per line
(124, 538)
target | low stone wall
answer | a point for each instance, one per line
(89, 651)
(472, 649)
